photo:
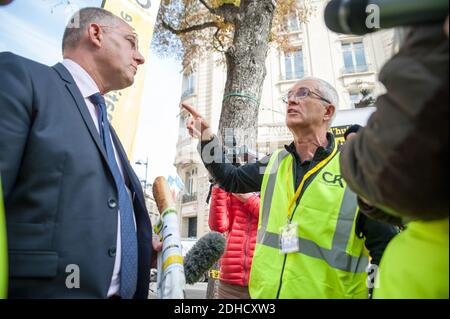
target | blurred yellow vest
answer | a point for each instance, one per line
(415, 263)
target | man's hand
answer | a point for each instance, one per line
(197, 126)
(157, 245)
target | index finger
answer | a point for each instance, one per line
(191, 110)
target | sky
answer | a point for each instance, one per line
(34, 29)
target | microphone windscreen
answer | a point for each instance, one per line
(203, 255)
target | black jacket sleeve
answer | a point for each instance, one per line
(377, 236)
(244, 179)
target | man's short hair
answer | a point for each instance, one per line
(80, 20)
(327, 91)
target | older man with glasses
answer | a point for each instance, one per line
(311, 242)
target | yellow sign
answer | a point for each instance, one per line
(124, 106)
(338, 132)
(215, 274)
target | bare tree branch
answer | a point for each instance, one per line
(229, 12)
(222, 46)
(207, 6)
(189, 29)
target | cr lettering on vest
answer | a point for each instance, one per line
(333, 179)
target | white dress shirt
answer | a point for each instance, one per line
(87, 88)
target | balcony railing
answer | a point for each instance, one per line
(351, 69)
(292, 76)
(187, 198)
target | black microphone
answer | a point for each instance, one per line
(202, 256)
(360, 16)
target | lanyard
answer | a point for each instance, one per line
(305, 177)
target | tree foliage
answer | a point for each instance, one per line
(190, 29)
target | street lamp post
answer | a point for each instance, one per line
(146, 171)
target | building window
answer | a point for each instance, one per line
(190, 181)
(293, 65)
(189, 85)
(354, 57)
(293, 23)
(183, 132)
(354, 99)
(190, 194)
(192, 227)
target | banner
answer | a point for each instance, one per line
(3, 250)
(170, 277)
(338, 132)
(124, 106)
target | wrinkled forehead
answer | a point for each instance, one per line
(310, 84)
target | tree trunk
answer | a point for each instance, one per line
(246, 70)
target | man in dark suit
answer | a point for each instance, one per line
(76, 218)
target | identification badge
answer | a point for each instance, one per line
(289, 239)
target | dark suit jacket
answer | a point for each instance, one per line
(60, 197)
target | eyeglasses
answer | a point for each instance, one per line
(132, 38)
(302, 93)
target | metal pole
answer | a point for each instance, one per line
(146, 171)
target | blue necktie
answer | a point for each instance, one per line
(129, 252)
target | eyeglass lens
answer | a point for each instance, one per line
(300, 93)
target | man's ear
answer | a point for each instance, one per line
(330, 109)
(95, 35)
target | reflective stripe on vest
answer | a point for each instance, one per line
(335, 257)
(268, 195)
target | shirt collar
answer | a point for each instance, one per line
(83, 80)
(321, 152)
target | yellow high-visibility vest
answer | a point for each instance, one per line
(331, 261)
(415, 263)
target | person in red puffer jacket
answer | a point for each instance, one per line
(236, 215)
